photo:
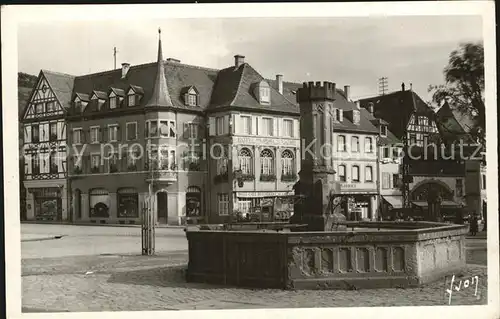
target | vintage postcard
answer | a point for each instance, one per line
(292, 160)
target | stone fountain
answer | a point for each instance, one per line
(329, 253)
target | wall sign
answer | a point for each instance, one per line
(266, 141)
(262, 194)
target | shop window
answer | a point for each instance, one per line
(128, 203)
(99, 203)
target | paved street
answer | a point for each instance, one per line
(72, 274)
(93, 240)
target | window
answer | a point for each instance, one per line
(287, 163)
(223, 201)
(164, 129)
(245, 159)
(131, 99)
(288, 128)
(383, 130)
(191, 161)
(53, 163)
(244, 206)
(334, 114)
(460, 187)
(78, 105)
(113, 133)
(172, 129)
(341, 143)
(191, 100)
(100, 103)
(51, 106)
(53, 132)
(35, 164)
(39, 108)
(153, 128)
(483, 179)
(192, 130)
(112, 163)
(220, 125)
(246, 125)
(265, 95)
(266, 163)
(221, 155)
(368, 174)
(413, 139)
(368, 145)
(77, 136)
(355, 173)
(396, 181)
(131, 131)
(386, 151)
(355, 144)
(95, 163)
(112, 102)
(132, 158)
(355, 117)
(267, 126)
(341, 173)
(94, 134)
(35, 133)
(386, 180)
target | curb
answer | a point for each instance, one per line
(42, 238)
(96, 224)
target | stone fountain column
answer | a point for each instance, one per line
(320, 208)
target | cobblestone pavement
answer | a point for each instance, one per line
(131, 282)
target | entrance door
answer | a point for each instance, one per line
(161, 199)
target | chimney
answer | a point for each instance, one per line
(347, 92)
(279, 81)
(125, 68)
(172, 60)
(370, 107)
(411, 87)
(403, 86)
(358, 105)
(239, 60)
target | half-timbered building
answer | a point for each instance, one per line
(408, 116)
(44, 147)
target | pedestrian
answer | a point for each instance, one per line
(459, 217)
(473, 225)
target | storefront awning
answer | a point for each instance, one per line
(394, 201)
(444, 204)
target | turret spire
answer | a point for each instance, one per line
(160, 96)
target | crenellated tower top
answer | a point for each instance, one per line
(316, 91)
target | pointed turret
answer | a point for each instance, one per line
(160, 96)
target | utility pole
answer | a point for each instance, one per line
(114, 57)
(148, 216)
(382, 85)
(405, 169)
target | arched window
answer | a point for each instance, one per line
(287, 167)
(266, 163)
(355, 144)
(368, 174)
(245, 159)
(99, 202)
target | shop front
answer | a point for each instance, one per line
(358, 201)
(47, 204)
(265, 206)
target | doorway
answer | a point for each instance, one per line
(162, 201)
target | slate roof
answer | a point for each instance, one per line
(62, 86)
(234, 87)
(23, 95)
(397, 107)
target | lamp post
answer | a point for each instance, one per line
(148, 222)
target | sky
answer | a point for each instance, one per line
(353, 51)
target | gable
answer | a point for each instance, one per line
(43, 101)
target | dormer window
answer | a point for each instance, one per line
(190, 96)
(100, 103)
(134, 95)
(355, 117)
(383, 130)
(131, 99)
(262, 93)
(112, 102)
(78, 105)
(340, 115)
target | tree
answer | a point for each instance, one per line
(464, 88)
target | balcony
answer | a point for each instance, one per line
(162, 176)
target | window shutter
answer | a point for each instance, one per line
(275, 127)
(211, 126)
(186, 99)
(27, 134)
(146, 129)
(280, 127)
(253, 123)
(234, 128)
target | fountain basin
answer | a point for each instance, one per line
(365, 255)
